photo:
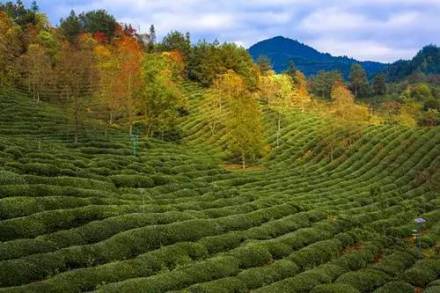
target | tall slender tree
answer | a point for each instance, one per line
(358, 81)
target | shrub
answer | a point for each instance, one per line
(334, 288)
(41, 169)
(396, 286)
(133, 181)
(420, 277)
(252, 256)
(364, 280)
(226, 285)
(261, 276)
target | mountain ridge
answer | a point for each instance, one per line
(281, 51)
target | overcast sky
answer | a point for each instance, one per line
(379, 30)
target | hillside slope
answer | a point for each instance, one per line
(93, 216)
(282, 50)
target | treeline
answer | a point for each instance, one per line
(412, 101)
(94, 66)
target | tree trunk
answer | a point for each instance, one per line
(243, 160)
(278, 129)
(76, 114)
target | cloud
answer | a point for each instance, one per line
(382, 30)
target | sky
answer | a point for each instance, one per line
(377, 30)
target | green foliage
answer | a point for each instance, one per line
(364, 280)
(208, 61)
(396, 286)
(176, 41)
(359, 81)
(323, 82)
(334, 288)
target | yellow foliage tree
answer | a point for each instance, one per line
(37, 70)
(343, 105)
(242, 119)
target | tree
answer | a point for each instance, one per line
(10, 48)
(429, 118)
(358, 81)
(76, 78)
(37, 70)
(322, 83)
(343, 105)
(264, 64)
(20, 14)
(108, 71)
(176, 41)
(152, 38)
(291, 69)
(129, 82)
(162, 96)
(98, 21)
(379, 85)
(71, 27)
(302, 96)
(242, 118)
(210, 60)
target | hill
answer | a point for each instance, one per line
(95, 216)
(282, 50)
(427, 61)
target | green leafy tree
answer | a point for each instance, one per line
(162, 95)
(379, 85)
(322, 83)
(98, 21)
(208, 60)
(176, 41)
(358, 81)
(20, 14)
(71, 27)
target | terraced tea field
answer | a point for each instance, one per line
(95, 217)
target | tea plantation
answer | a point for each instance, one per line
(95, 217)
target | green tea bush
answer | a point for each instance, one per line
(225, 285)
(365, 280)
(252, 256)
(261, 276)
(133, 181)
(334, 288)
(396, 286)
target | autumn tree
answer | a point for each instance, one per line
(242, 118)
(37, 70)
(10, 48)
(302, 96)
(128, 83)
(279, 92)
(343, 104)
(108, 70)
(76, 78)
(358, 81)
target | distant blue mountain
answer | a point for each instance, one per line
(282, 50)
